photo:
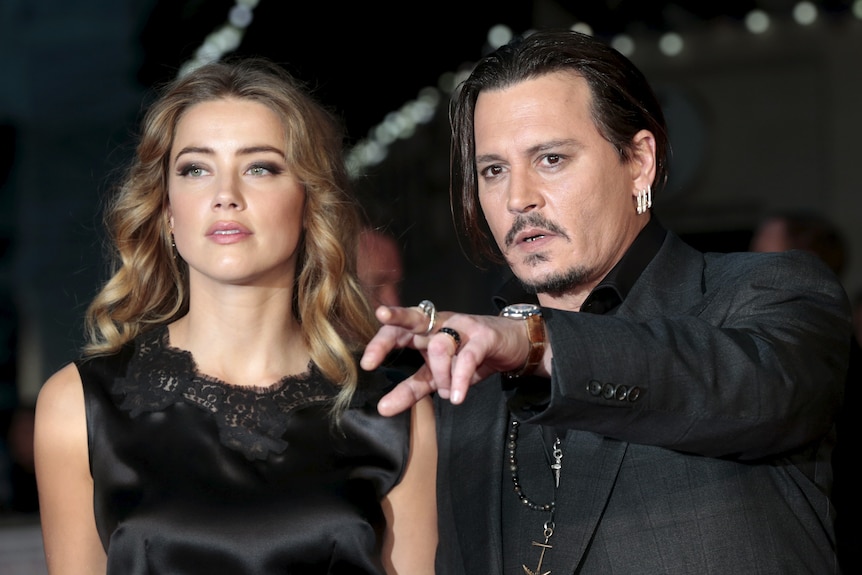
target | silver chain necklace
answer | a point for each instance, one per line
(556, 467)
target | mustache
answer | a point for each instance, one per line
(532, 220)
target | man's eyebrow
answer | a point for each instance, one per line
(550, 145)
(484, 158)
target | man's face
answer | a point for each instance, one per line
(557, 198)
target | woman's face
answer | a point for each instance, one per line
(236, 206)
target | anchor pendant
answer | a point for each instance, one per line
(538, 570)
(549, 530)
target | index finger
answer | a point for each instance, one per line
(387, 338)
(414, 319)
(400, 324)
(407, 393)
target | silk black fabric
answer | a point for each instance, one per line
(197, 476)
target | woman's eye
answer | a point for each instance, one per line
(192, 171)
(265, 169)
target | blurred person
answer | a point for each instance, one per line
(380, 267)
(381, 270)
(638, 406)
(217, 421)
(801, 230)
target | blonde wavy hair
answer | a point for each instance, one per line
(148, 285)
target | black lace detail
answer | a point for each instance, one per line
(251, 420)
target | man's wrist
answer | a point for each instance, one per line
(532, 316)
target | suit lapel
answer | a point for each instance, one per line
(672, 280)
(591, 464)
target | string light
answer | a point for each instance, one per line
(624, 44)
(398, 125)
(224, 40)
(671, 44)
(805, 13)
(757, 21)
(499, 35)
(582, 27)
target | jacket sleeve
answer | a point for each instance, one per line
(741, 356)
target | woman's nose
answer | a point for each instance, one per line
(229, 193)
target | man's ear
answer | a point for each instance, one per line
(642, 162)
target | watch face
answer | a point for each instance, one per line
(521, 310)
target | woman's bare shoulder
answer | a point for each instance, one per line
(62, 393)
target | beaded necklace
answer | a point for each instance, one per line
(556, 467)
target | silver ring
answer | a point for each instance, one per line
(428, 309)
(454, 335)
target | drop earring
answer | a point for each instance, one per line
(173, 242)
(644, 200)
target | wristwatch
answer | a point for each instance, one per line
(532, 314)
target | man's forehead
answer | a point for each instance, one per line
(532, 119)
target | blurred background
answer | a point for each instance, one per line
(762, 100)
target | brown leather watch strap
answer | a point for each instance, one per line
(536, 334)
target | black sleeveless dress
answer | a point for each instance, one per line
(194, 475)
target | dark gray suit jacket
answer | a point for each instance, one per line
(719, 462)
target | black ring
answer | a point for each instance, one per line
(454, 334)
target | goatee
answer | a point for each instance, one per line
(557, 284)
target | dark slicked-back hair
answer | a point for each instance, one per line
(623, 103)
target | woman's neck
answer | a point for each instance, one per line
(243, 345)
